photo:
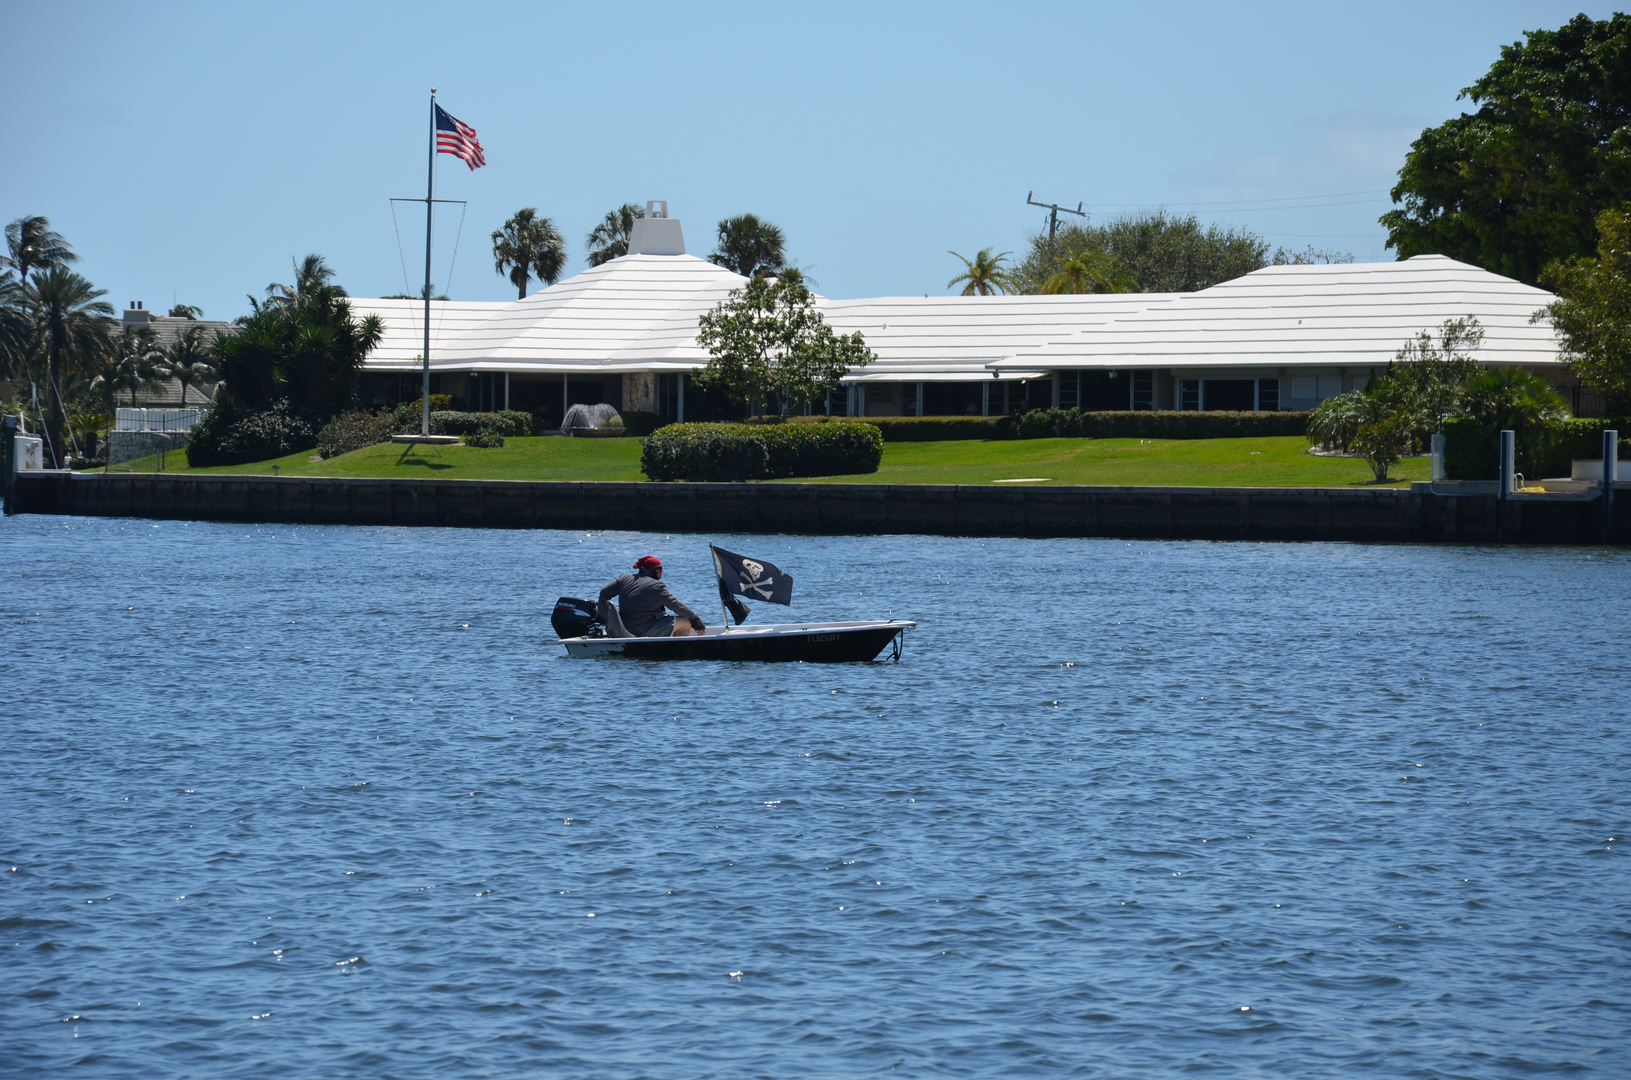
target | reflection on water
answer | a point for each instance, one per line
(293, 801)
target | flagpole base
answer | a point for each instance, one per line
(427, 440)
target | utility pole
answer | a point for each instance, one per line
(1053, 210)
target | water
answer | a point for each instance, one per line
(298, 801)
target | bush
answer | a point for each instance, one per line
(227, 436)
(488, 438)
(640, 423)
(1468, 455)
(735, 452)
(1383, 442)
(917, 428)
(1068, 423)
(405, 419)
(1049, 424)
(353, 431)
(1584, 439)
(1125, 424)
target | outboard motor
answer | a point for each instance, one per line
(575, 618)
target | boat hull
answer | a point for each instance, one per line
(811, 643)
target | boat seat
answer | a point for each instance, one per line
(612, 620)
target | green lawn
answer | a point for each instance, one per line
(1269, 462)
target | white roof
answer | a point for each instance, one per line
(955, 338)
(1356, 315)
(402, 345)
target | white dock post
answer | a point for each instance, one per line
(1438, 456)
(1508, 462)
(1611, 469)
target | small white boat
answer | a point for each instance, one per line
(815, 643)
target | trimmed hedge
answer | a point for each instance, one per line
(353, 431)
(1472, 451)
(736, 452)
(451, 422)
(1071, 424)
(488, 438)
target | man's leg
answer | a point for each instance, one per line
(682, 627)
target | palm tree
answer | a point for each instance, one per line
(529, 244)
(610, 239)
(1514, 399)
(986, 274)
(31, 245)
(73, 325)
(16, 327)
(311, 275)
(1089, 271)
(187, 360)
(137, 364)
(749, 246)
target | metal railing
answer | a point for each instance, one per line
(156, 419)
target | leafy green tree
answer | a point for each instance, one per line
(749, 246)
(984, 275)
(528, 244)
(1424, 381)
(187, 360)
(186, 311)
(1335, 421)
(1592, 315)
(311, 276)
(16, 327)
(136, 363)
(1519, 182)
(71, 326)
(610, 239)
(1089, 272)
(1162, 253)
(31, 244)
(301, 346)
(767, 340)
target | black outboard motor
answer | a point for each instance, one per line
(575, 618)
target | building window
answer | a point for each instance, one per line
(1144, 390)
(1268, 395)
(880, 394)
(1189, 395)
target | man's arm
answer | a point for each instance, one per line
(611, 590)
(681, 610)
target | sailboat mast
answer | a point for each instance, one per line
(430, 207)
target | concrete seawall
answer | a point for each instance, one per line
(1375, 514)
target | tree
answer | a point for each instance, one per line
(187, 311)
(1310, 257)
(1424, 381)
(1519, 182)
(135, 364)
(528, 244)
(302, 346)
(985, 275)
(768, 340)
(311, 275)
(16, 327)
(1520, 401)
(749, 246)
(72, 326)
(1592, 316)
(1163, 254)
(610, 239)
(31, 245)
(187, 360)
(1089, 272)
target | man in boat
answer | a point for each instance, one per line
(643, 600)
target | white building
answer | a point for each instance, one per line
(1285, 337)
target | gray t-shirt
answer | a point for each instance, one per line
(641, 600)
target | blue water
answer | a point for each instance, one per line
(299, 801)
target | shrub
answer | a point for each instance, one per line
(1472, 449)
(1468, 455)
(1577, 438)
(640, 423)
(450, 422)
(1126, 424)
(922, 428)
(1335, 423)
(734, 452)
(227, 436)
(1049, 424)
(488, 438)
(1382, 442)
(353, 431)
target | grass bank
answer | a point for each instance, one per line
(1259, 462)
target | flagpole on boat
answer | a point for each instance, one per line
(430, 209)
(724, 608)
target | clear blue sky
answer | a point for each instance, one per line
(188, 151)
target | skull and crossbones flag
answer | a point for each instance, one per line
(752, 579)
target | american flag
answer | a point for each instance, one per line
(459, 139)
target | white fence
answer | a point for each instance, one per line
(155, 419)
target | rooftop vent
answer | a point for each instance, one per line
(135, 313)
(656, 233)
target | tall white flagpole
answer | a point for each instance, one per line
(430, 208)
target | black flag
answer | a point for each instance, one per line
(752, 579)
(739, 611)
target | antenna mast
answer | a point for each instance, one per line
(1053, 210)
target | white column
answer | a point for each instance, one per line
(506, 391)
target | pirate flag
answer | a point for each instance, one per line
(742, 578)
